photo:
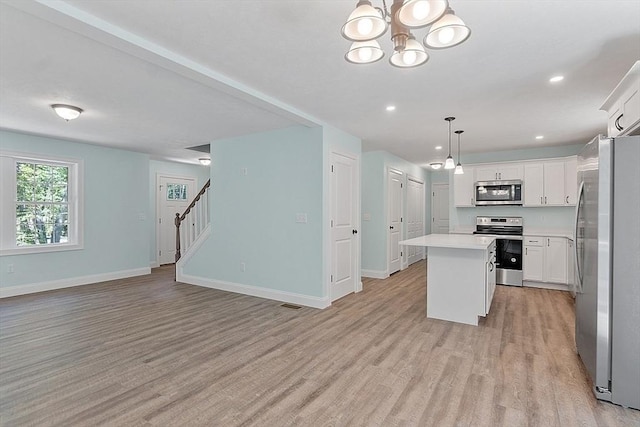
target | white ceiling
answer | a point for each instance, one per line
(157, 75)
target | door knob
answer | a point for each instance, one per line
(354, 231)
(391, 227)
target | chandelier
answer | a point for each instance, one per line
(367, 23)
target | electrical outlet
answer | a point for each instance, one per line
(9, 268)
(245, 171)
(242, 266)
(301, 218)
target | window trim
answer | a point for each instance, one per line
(8, 199)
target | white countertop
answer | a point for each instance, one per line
(459, 241)
(548, 233)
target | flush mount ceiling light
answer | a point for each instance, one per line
(391, 108)
(459, 170)
(67, 112)
(540, 137)
(438, 147)
(556, 79)
(205, 161)
(436, 165)
(449, 163)
(366, 23)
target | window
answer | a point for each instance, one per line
(176, 191)
(40, 204)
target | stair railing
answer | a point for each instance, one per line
(196, 217)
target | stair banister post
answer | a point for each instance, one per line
(177, 222)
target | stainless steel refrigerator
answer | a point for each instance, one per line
(608, 267)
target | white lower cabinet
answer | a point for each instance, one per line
(545, 259)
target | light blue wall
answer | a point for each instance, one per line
(253, 215)
(541, 218)
(374, 192)
(157, 167)
(116, 194)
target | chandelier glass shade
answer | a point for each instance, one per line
(412, 55)
(367, 23)
(420, 13)
(364, 23)
(449, 31)
(364, 52)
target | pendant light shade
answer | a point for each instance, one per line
(412, 55)
(366, 52)
(449, 163)
(67, 112)
(420, 13)
(448, 31)
(205, 161)
(459, 170)
(364, 23)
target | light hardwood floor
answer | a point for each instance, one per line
(150, 352)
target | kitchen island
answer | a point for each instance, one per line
(461, 275)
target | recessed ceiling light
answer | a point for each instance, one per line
(556, 79)
(439, 147)
(436, 165)
(540, 137)
(391, 108)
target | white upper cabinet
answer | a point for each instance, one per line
(544, 184)
(571, 180)
(533, 184)
(463, 188)
(623, 105)
(499, 172)
(554, 192)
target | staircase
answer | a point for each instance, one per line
(193, 221)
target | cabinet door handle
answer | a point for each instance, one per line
(617, 123)
(567, 199)
(548, 242)
(545, 200)
(526, 251)
(541, 202)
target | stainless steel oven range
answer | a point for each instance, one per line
(508, 234)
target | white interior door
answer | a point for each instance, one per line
(440, 208)
(415, 218)
(395, 219)
(344, 217)
(174, 195)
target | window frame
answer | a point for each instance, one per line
(8, 200)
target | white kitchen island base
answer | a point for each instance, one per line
(460, 276)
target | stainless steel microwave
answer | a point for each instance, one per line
(498, 193)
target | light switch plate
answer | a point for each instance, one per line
(366, 217)
(301, 218)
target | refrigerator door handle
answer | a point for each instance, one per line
(578, 281)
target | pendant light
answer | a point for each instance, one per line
(449, 164)
(412, 55)
(420, 13)
(459, 170)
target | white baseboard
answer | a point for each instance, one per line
(375, 274)
(71, 281)
(552, 286)
(255, 291)
(154, 264)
